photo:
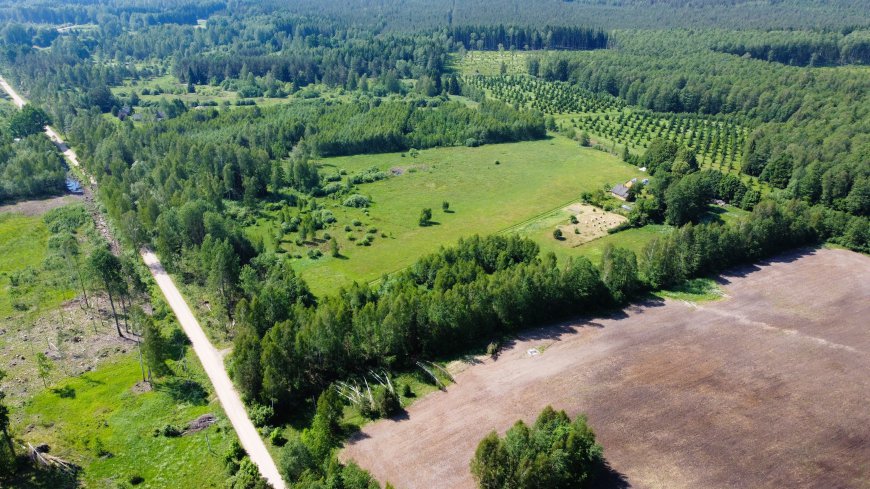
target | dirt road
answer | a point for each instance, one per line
(211, 360)
(767, 388)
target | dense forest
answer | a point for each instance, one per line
(515, 37)
(610, 14)
(678, 72)
(802, 48)
(260, 93)
(30, 165)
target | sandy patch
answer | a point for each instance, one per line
(592, 223)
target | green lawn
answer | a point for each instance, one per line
(98, 411)
(531, 178)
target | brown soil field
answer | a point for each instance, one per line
(766, 388)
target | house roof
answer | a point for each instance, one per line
(620, 190)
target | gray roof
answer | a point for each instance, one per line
(620, 190)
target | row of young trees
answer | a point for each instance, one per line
(677, 71)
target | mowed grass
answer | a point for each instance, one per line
(532, 178)
(86, 418)
(23, 247)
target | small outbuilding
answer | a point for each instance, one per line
(620, 192)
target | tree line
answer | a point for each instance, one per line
(495, 37)
(483, 288)
(801, 48)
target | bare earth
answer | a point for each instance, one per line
(592, 223)
(767, 388)
(39, 207)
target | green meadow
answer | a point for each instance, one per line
(23, 248)
(489, 189)
(100, 423)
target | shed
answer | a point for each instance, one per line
(620, 192)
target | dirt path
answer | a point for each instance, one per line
(211, 359)
(212, 362)
(767, 388)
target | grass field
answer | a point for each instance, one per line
(490, 62)
(23, 247)
(531, 178)
(98, 413)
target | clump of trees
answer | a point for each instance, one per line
(309, 460)
(31, 167)
(28, 121)
(554, 452)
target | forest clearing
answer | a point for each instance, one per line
(489, 189)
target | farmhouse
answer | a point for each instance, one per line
(620, 192)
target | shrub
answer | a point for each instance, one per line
(170, 431)
(136, 479)
(314, 253)
(406, 391)
(356, 200)
(277, 438)
(384, 404)
(296, 459)
(261, 415)
(492, 348)
(425, 217)
(557, 233)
